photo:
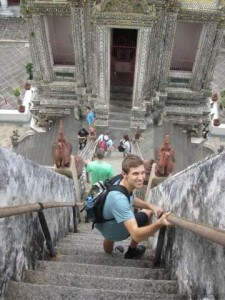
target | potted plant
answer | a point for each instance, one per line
(29, 70)
(222, 99)
(16, 93)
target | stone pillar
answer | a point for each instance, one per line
(78, 45)
(41, 45)
(34, 51)
(212, 62)
(102, 105)
(87, 45)
(203, 56)
(138, 107)
(4, 4)
(168, 38)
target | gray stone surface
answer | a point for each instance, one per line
(196, 194)
(26, 291)
(94, 282)
(103, 270)
(218, 83)
(13, 29)
(92, 260)
(23, 182)
(13, 58)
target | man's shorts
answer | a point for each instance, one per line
(141, 218)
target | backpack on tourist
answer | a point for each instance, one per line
(98, 192)
(102, 145)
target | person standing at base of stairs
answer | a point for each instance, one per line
(118, 210)
(99, 169)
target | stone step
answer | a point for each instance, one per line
(149, 255)
(81, 240)
(119, 95)
(107, 271)
(25, 291)
(121, 103)
(121, 89)
(70, 250)
(54, 111)
(80, 237)
(57, 103)
(186, 110)
(119, 115)
(57, 95)
(119, 124)
(94, 260)
(103, 282)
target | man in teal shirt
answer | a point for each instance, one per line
(99, 169)
(118, 210)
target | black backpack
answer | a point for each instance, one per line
(98, 193)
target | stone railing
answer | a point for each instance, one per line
(24, 182)
(197, 194)
(87, 154)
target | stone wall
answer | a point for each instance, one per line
(197, 194)
(22, 242)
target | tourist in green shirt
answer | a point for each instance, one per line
(99, 169)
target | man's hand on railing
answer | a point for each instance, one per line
(156, 210)
(163, 219)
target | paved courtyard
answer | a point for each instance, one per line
(13, 59)
(218, 83)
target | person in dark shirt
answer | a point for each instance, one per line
(82, 137)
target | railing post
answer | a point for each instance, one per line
(75, 218)
(47, 235)
(159, 247)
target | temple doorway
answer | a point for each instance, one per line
(123, 54)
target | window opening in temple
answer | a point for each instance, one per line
(186, 44)
(123, 54)
(59, 35)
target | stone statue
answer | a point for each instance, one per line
(165, 159)
(62, 149)
(137, 134)
(14, 137)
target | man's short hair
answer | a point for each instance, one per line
(131, 161)
(100, 153)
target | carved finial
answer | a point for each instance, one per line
(165, 158)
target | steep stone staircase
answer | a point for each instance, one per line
(120, 109)
(82, 271)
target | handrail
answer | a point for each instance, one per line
(208, 232)
(39, 207)
(9, 211)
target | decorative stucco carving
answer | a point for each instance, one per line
(142, 55)
(42, 45)
(128, 6)
(203, 56)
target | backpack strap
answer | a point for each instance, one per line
(115, 179)
(121, 189)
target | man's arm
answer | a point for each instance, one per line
(139, 234)
(138, 203)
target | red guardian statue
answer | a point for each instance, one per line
(62, 149)
(165, 158)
